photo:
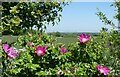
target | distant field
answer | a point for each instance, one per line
(66, 40)
(9, 39)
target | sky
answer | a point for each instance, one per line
(81, 17)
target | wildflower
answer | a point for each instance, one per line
(9, 51)
(31, 44)
(41, 50)
(63, 50)
(103, 70)
(84, 38)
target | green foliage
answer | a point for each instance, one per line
(58, 34)
(85, 54)
(106, 21)
(112, 39)
(80, 58)
(19, 16)
(29, 64)
(117, 5)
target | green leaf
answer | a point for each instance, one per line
(32, 66)
(41, 73)
(16, 70)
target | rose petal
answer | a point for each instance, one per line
(11, 49)
(12, 54)
(5, 47)
(63, 50)
(103, 70)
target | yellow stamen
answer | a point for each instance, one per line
(84, 39)
(40, 52)
(101, 71)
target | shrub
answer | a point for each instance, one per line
(89, 56)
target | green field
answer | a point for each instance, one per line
(67, 40)
(9, 39)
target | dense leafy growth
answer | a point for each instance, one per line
(17, 17)
(89, 56)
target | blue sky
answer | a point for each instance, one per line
(81, 17)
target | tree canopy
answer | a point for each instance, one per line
(21, 16)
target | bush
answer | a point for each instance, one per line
(40, 56)
(0, 34)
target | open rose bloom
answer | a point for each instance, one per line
(41, 50)
(103, 70)
(9, 51)
(63, 50)
(84, 38)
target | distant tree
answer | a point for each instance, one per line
(58, 34)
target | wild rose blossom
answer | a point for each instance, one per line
(84, 38)
(31, 44)
(103, 70)
(63, 50)
(40, 50)
(9, 51)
